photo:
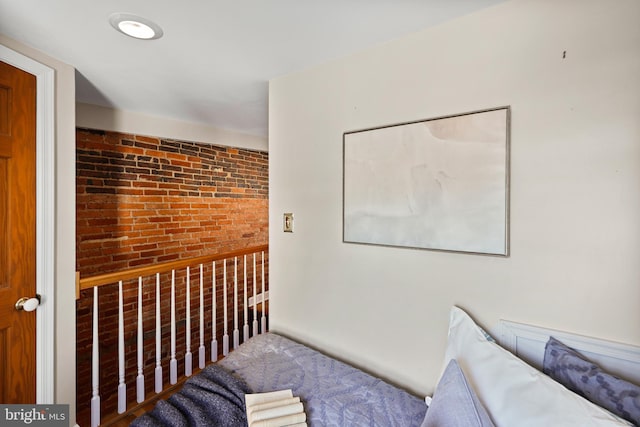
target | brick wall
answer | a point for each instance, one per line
(143, 200)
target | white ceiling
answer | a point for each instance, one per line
(216, 57)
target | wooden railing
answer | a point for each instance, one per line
(229, 261)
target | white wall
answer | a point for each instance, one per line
(65, 214)
(96, 117)
(575, 185)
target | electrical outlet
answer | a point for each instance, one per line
(287, 223)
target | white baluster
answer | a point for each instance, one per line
(158, 370)
(173, 363)
(264, 302)
(236, 332)
(188, 368)
(245, 329)
(255, 298)
(201, 348)
(225, 336)
(140, 377)
(214, 327)
(95, 365)
(122, 387)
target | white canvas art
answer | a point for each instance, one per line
(435, 184)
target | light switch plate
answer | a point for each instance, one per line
(287, 223)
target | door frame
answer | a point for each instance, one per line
(45, 219)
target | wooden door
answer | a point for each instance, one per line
(17, 234)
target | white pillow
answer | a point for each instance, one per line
(514, 393)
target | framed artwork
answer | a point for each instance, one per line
(440, 184)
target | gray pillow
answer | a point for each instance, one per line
(578, 374)
(454, 403)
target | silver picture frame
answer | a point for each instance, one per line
(437, 184)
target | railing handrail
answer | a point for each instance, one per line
(133, 273)
(214, 282)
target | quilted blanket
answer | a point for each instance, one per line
(333, 393)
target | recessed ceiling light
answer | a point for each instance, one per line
(135, 26)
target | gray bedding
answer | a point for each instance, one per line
(333, 393)
(214, 397)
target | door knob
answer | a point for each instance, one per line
(28, 304)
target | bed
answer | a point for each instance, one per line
(333, 393)
(482, 383)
